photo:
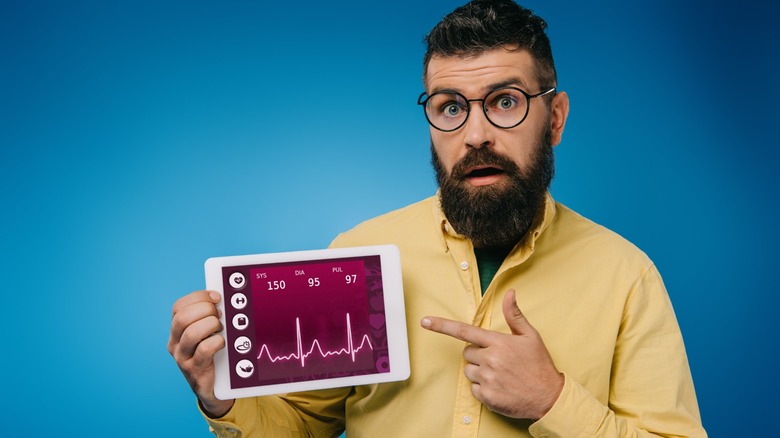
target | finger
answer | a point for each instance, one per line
(471, 372)
(473, 354)
(204, 353)
(194, 335)
(458, 330)
(196, 297)
(476, 391)
(517, 322)
(189, 315)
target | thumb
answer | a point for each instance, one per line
(517, 322)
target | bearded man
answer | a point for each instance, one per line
(534, 321)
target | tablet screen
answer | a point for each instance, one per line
(307, 320)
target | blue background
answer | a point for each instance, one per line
(140, 138)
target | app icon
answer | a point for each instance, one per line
(245, 368)
(237, 280)
(240, 321)
(238, 301)
(243, 345)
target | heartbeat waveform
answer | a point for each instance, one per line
(315, 346)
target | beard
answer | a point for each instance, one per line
(498, 215)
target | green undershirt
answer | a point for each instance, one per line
(488, 262)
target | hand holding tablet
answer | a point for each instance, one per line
(309, 320)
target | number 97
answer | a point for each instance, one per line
(351, 279)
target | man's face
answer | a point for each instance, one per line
(493, 180)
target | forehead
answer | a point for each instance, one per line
(480, 73)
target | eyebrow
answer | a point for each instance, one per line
(488, 88)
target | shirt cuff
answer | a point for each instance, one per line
(576, 413)
(226, 426)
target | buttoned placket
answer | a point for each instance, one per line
(467, 409)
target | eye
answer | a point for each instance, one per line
(447, 105)
(451, 109)
(504, 102)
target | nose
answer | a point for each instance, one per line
(478, 129)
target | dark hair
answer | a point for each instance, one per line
(483, 25)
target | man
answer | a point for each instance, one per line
(595, 350)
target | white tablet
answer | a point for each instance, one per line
(307, 320)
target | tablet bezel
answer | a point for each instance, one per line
(395, 318)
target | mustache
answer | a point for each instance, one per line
(483, 157)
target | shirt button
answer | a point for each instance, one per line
(464, 265)
(467, 419)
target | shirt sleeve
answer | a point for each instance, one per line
(309, 414)
(651, 390)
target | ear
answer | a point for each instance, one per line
(559, 114)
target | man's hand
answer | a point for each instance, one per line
(194, 341)
(512, 374)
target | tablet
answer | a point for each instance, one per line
(306, 320)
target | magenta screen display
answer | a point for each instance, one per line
(290, 322)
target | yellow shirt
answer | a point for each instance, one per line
(598, 302)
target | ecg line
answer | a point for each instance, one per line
(315, 345)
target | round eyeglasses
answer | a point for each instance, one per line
(504, 107)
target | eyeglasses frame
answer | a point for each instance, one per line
(423, 102)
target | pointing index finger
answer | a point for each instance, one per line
(458, 330)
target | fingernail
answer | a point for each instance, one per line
(425, 322)
(214, 296)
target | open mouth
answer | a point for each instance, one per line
(484, 171)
